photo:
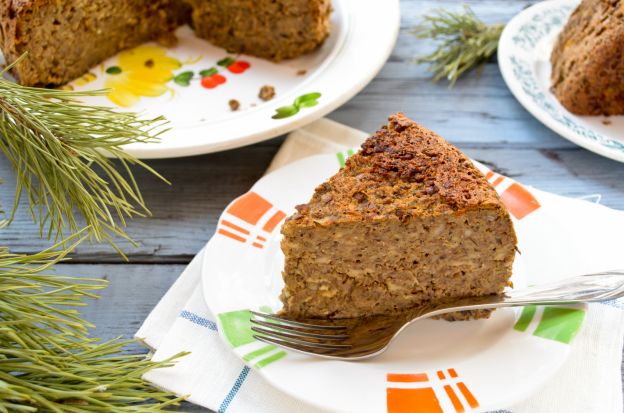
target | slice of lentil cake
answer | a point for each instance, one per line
(407, 220)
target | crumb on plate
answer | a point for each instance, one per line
(266, 92)
(234, 104)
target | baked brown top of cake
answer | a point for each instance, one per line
(416, 174)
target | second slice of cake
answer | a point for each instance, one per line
(407, 220)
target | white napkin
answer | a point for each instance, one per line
(213, 377)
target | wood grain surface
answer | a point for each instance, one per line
(479, 115)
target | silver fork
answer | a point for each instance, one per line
(361, 338)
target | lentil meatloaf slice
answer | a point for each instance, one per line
(408, 220)
(65, 38)
(588, 59)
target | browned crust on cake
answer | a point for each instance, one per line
(588, 59)
(418, 174)
(271, 29)
(65, 38)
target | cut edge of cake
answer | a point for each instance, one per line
(275, 32)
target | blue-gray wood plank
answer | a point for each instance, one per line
(479, 115)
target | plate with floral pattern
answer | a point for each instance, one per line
(524, 60)
(435, 365)
(212, 98)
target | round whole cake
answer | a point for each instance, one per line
(64, 39)
(588, 59)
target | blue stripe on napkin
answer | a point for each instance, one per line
(201, 321)
(235, 388)
(211, 325)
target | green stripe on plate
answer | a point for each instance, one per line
(560, 324)
(259, 352)
(236, 326)
(271, 359)
(526, 317)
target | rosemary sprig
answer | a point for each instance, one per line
(60, 150)
(48, 361)
(465, 42)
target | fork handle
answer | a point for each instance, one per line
(602, 286)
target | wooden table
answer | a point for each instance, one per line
(479, 115)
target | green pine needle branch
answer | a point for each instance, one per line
(61, 151)
(48, 361)
(3, 222)
(465, 42)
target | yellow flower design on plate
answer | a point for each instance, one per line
(142, 71)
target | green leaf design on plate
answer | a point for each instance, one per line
(226, 61)
(184, 78)
(307, 98)
(208, 72)
(308, 104)
(285, 112)
(304, 101)
(113, 70)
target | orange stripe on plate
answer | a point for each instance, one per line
(407, 378)
(519, 201)
(441, 375)
(459, 408)
(412, 401)
(234, 226)
(231, 235)
(255, 244)
(260, 238)
(273, 221)
(250, 207)
(498, 180)
(469, 397)
(452, 372)
(489, 175)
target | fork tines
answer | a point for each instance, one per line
(297, 335)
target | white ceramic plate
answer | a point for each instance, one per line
(155, 81)
(524, 60)
(480, 365)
